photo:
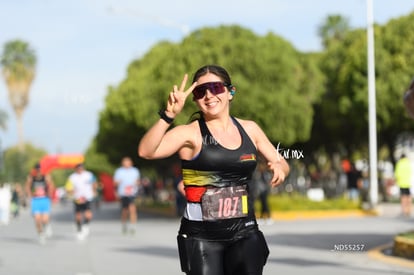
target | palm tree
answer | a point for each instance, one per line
(18, 61)
(3, 126)
(333, 29)
(3, 118)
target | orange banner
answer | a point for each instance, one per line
(61, 161)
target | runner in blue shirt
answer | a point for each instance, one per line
(127, 179)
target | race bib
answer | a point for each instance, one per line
(39, 191)
(80, 200)
(129, 190)
(224, 203)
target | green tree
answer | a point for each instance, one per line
(333, 29)
(3, 119)
(394, 59)
(18, 163)
(341, 119)
(60, 176)
(18, 61)
(276, 86)
(97, 162)
(3, 126)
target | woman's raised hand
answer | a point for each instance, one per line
(177, 97)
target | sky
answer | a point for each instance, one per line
(85, 46)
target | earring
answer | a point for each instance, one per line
(232, 90)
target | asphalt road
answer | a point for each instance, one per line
(308, 246)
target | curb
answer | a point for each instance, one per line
(378, 254)
(285, 215)
(321, 214)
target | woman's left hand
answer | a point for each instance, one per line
(278, 173)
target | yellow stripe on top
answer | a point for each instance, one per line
(245, 209)
(248, 157)
(197, 178)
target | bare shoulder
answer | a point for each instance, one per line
(191, 141)
(248, 125)
(186, 128)
(252, 129)
(187, 131)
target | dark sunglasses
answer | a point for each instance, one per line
(214, 87)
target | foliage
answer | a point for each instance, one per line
(60, 176)
(408, 235)
(3, 118)
(291, 202)
(394, 74)
(341, 119)
(313, 101)
(333, 29)
(97, 162)
(18, 61)
(344, 104)
(18, 163)
(273, 82)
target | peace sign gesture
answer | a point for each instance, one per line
(178, 96)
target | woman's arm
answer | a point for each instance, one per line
(160, 143)
(50, 185)
(275, 162)
(28, 187)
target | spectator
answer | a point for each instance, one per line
(15, 200)
(354, 182)
(261, 179)
(403, 177)
(5, 199)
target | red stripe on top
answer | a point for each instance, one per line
(194, 194)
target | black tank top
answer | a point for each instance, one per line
(217, 166)
(39, 186)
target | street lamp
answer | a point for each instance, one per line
(372, 113)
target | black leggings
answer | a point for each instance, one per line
(246, 256)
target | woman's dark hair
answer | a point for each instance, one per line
(213, 69)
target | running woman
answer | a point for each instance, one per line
(219, 234)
